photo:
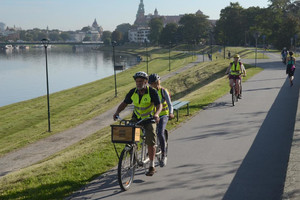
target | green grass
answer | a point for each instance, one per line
(64, 172)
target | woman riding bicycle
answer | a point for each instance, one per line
(291, 66)
(235, 69)
(165, 114)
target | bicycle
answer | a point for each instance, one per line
(235, 92)
(131, 157)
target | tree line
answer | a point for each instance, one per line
(277, 25)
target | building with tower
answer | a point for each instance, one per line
(140, 29)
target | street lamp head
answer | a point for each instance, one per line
(45, 42)
(256, 34)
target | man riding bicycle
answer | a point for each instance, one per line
(165, 114)
(146, 104)
(235, 69)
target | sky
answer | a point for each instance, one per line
(74, 14)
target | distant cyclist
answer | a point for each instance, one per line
(284, 54)
(235, 69)
(165, 114)
(146, 104)
(291, 66)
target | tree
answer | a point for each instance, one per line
(124, 28)
(230, 25)
(116, 36)
(54, 36)
(169, 34)
(40, 36)
(156, 26)
(86, 29)
(106, 37)
(194, 27)
(65, 36)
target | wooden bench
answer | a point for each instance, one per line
(178, 104)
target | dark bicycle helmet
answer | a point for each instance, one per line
(153, 78)
(141, 74)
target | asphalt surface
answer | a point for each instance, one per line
(225, 152)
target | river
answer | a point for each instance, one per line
(23, 72)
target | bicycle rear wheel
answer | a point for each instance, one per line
(126, 168)
(167, 137)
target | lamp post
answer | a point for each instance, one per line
(264, 37)
(114, 59)
(170, 56)
(146, 42)
(256, 36)
(211, 45)
(296, 37)
(45, 42)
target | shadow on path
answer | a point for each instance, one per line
(262, 173)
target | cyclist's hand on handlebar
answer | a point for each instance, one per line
(156, 118)
(116, 116)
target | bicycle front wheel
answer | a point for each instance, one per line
(126, 168)
(233, 97)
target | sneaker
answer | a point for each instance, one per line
(163, 161)
(151, 171)
(239, 96)
(230, 91)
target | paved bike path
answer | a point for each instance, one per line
(223, 152)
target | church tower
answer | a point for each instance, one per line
(140, 16)
(155, 13)
(141, 10)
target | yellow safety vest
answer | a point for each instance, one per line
(144, 108)
(235, 69)
(165, 107)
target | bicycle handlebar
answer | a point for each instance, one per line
(136, 123)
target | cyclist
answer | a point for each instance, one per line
(165, 114)
(146, 104)
(235, 69)
(291, 66)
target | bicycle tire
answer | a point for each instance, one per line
(167, 137)
(126, 168)
(233, 96)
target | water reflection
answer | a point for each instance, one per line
(22, 71)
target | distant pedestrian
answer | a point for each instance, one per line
(209, 56)
(229, 54)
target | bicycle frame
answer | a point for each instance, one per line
(235, 91)
(131, 158)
